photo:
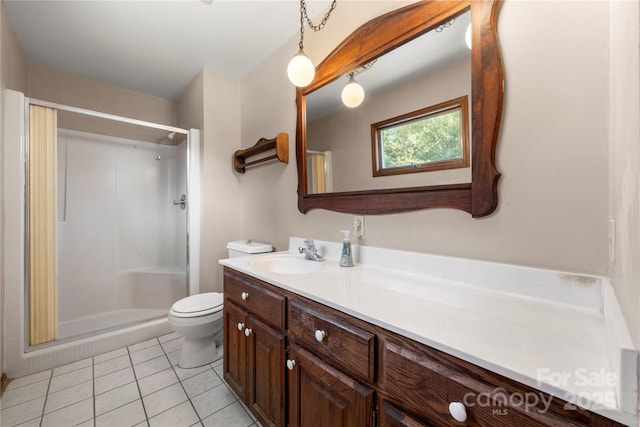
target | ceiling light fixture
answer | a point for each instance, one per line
(301, 70)
(467, 36)
(353, 93)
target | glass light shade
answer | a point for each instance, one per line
(352, 94)
(467, 36)
(301, 70)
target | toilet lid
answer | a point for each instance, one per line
(198, 303)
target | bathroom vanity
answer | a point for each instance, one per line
(310, 343)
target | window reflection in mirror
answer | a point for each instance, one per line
(425, 71)
(429, 139)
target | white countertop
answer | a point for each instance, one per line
(562, 344)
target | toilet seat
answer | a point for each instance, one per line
(198, 305)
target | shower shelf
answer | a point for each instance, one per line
(280, 143)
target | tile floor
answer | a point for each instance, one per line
(140, 385)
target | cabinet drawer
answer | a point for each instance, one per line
(333, 338)
(424, 386)
(264, 303)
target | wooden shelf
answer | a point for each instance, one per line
(280, 143)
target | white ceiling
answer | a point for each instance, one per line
(155, 47)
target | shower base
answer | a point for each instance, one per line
(97, 324)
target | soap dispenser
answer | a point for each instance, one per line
(346, 260)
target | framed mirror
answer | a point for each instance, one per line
(375, 49)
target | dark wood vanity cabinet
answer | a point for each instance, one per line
(323, 396)
(299, 363)
(254, 349)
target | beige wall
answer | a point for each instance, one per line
(347, 133)
(552, 150)
(625, 158)
(220, 185)
(68, 89)
(13, 75)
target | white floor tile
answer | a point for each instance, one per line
(219, 370)
(152, 366)
(202, 382)
(24, 394)
(111, 385)
(164, 399)
(212, 400)
(29, 379)
(181, 415)
(116, 398)
(127, 415)
(142, 345)
(157, 381)
(146, 354)
(33, 423)
(232, 415)
(111, 365)
(183, 374)
(174, 357)
(72, 366)
(21, 413)
(110, 355)
(173, 345)
(68, 396)
(70, 379)
(69, 415)
(169, 337)
(113, 380)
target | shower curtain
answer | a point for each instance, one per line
(43, 291)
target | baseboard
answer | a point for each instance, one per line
(4, 382)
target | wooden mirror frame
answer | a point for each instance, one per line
(381, 35)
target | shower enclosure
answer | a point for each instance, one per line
(121, 242)
(123, 225)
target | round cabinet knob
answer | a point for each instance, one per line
(247, 331)
(458, 411)
(245, 296)
(320, 335)
(240, 326)
(291, 364)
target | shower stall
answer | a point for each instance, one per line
(121, 220)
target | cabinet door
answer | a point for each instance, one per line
(390, 416)
(266, 385)
(235, 348)
(322, 396)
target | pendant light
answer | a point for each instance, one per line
(301, 70)
(353, 93)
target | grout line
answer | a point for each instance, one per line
(144, 408)
(180, 382)
(44, 405)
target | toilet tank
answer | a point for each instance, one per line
(247, 247)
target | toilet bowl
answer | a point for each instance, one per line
(199, 319)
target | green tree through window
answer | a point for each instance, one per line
(428, 139)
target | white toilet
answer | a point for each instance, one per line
(199, 317)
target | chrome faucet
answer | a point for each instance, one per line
(310, 251)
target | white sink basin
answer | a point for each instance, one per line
(286, 264)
